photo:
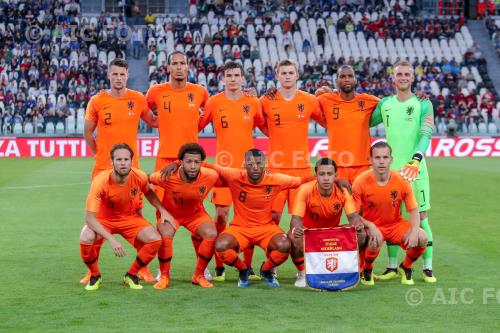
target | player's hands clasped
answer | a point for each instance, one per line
(117, 247)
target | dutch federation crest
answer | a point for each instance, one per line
(331, 264)
(394, 194)
(130, 105)
(361, 105)
(133, 192)
(246, 108)
(203, 189)
(337, 206)
(190, 97)
(268, 189)
(409, 110)
(300, 107)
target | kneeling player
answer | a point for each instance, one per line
(253, 191)
(378, 194)
(184, 195)
(113, 207)
(319, 205)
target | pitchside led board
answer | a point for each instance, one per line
(331, 258)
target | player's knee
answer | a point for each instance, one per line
(282, 243)
(166, 230)
(222, 244)
(422, 238)
(87, 236)
(423, 215)
(210, 233)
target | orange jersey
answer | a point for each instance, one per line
(288, 123)
(348, 125)
(183, 199)
(233, 122)
(318, 211)
(117, 121)
(253, 202)
(381, 204)
(178, 114)
(113, 201)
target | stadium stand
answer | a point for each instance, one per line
(51, 61)
(493, 26)
(50, 81)
(322, 37)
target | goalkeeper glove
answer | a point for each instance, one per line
(410, 170)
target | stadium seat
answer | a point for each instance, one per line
(49, 128)
(28, 128)
(492, 129)
(59, 128)
(17, 129)
(482, 129)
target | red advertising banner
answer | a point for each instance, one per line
(13, 147)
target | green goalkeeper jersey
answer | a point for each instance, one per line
(408, 126)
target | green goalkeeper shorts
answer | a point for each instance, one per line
(422, 191)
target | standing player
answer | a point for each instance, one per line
(253, 191)
(115, 113)
(319, 205)
(408, 124)
(378, 194)
(287, 116)
(184, 195)
(177, 103)
(234, 116)
(347, 116)
(113, 207)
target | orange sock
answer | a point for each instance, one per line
(220, 228)
(165, 255)
(147, 253)
(97, 246)
(274, 259)
(412, 255)
(299, 263)
(248, 256)
(370, 257)
(90, 258)
(196, 240)
(230, 257)
(361, 259)
(205, 254)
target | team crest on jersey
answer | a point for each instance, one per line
(394, 194)
(268, 189)
(203, 189)
(246, 108)
(409, 110)
(300, 107)
(130, 105)
(337, 206)
(190, 97)
(361, 105)
(133, 192)
(331, 264)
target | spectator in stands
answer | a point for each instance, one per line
(150, 18)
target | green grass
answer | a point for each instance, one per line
(41, 267)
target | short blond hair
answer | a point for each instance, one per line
(286, 62)
(404, 63)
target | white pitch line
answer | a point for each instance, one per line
(28, 187)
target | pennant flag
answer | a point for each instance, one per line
(331, 258)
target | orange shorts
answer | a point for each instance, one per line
(395, 232)
(221, 196)
(288, 195)
(250, 236)
(350, 173)
(128, 228)
(193, 222)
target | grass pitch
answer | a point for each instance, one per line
(42, 204)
